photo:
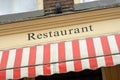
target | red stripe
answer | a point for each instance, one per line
(3, 64)
(105, 45)
(46, 59)
(3, 75)
(118, 41)
(76, 55)
(32, 61)
(61, 57)
(17, 63)
(106, 50)
(91, 53)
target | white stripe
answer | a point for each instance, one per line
(54, 53)
(10, 63)
(83, 49)
(25, 58)
(99, 52)
(39, 70)
(39, 55)
(113, 44)
(101, 61)
(54, 57)
(116, 59)
(39, 60)
(24, 72)
(1, 56)
(84, 54)
(70, 66)
(68, 51)
(56, 68)
(85, 64)
(11, 59)
(69, 56)
(9, 74)
(98, 47)
(52, 68)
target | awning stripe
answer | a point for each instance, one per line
(116, 59)
(106, 50)
(112, 44)
(69, 52)
(76, 55)
(25, 58)
(17, 63)
(91, 52)
(61, 56)
(117, 38)
(32, 59)
(105, 45)
(84, 53)
(39, 59)
(46, 57)
(3, 64)
(10, 63)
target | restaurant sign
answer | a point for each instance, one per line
(59, 34)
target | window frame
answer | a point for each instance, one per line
(95, 4)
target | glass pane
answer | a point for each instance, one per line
(83, 1)
(17, 6)
(24, 5)
(5, 7)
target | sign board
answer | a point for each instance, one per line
(79, 31)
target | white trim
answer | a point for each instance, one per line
(76, 1)
(40, 4)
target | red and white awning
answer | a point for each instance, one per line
(76, 55)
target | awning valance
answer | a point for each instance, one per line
(75, 55)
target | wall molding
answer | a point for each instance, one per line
(59, 21)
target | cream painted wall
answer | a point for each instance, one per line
(21, 40)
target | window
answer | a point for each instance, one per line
(17, 6)
(83, 1)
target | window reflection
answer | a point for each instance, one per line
(83, 1)
(17, 6)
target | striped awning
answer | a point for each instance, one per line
(75, 55)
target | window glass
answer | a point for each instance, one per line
(83, 1)
(24, 5)
(5, 7)
(17, 6)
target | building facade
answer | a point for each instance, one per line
(60, 39)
